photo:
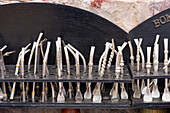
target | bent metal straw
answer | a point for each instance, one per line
(70, 92)
(7, 54)
(36, 53)
(16, 71)
(82, 57)
(30, 58)
(19, 57)
(60, 61)
(87, 94)
(29, 65)
(78, 96)
(36, 64)
(44, 73)
(47, 71)
(97, 92)
(115, 95)
(143, 67)
(2, 73)
(60, 97)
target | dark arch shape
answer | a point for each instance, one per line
(21, 24)
(148, 31)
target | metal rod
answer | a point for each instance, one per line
(131, 53)
(2, 73)
(44, 70)
(166, 94)
(22, 74)
(82, 57)
(18, 62)
(42, 53)
(148, 96)
(36, 53)
(138, 44)
(111, 55)
(107, 45)
(60, 97)
(30, 58)
(70, 89)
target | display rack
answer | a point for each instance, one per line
(154, 75)
(85, 104)
(108, 77)
(80, 28)
(148, 31)
(156, 103)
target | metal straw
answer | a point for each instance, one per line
(166, 94)
(70, 92)
(148, 96)
(87, 94)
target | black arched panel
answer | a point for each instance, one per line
(158, 24)
(21, 24)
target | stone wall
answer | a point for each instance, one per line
(124, 13)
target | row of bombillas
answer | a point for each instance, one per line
(58, 91)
